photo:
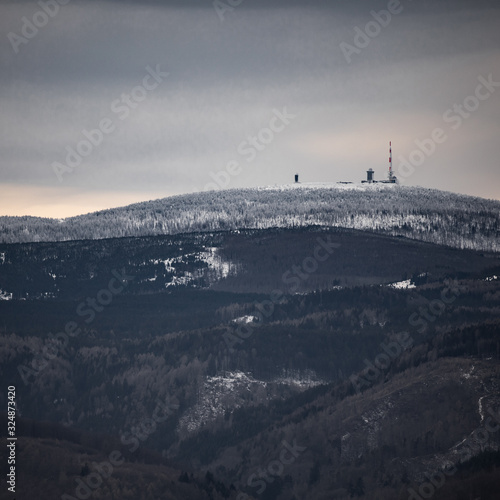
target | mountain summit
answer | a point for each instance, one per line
(425, 214)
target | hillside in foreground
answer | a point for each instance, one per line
(418, 213)
(247, 261)
(173, 396)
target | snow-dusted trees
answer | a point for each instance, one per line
(424, 214)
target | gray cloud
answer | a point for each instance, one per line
(226, 78)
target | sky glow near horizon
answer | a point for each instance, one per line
(274, 89)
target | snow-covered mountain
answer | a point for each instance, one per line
(419, 213)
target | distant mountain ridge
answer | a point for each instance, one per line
(419, 213)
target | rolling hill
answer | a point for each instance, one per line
(425, 214)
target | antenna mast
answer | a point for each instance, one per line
(390, 161)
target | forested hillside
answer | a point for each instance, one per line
(273, 363)
(216, 381)
(430, 215)
(249, 261)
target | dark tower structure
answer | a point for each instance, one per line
(392, 177)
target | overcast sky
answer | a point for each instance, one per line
(264, 90)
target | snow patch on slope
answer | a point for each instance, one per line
(5, 295)
(217, 395)
(232, 390)
(480, 408)
(220, 267)
(304, 379)
(403, 285)
(208, 264)
(245, 319)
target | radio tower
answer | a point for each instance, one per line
(392, 178)
(390, 160)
